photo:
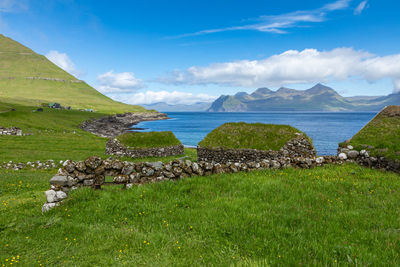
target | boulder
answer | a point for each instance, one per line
(59, 180)
(128, 169)
(51, 196)
(320, 160)
(61, 195)
(342, 156)
(352, 154)
(48, 206)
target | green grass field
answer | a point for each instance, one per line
(149, 139)
(383, 133)
(249, 135)
(55, 135)
(327, 216)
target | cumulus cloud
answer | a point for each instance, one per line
(172, 98)
(280, 23)
(63, 61)
(359, 9)
(293, 67)
(123, 82)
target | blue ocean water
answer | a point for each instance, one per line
(326, 129)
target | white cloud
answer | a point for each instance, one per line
(359, 9)
(279, 23)
(63, 61)
(293, 67)
(173, 98)
(123, 82)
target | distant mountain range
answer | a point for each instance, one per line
(164, 107)
(317, 98)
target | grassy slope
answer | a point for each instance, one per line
(249, 135)
(331, 216)
(383, 133)
(18, 62)
(149, 139)
(55, 135)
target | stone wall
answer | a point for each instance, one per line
(10, 131)
(92, 171)
(114, 147)
(363, 158)
(295, 148)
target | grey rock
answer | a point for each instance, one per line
(48, 206)
(156, 165)
(61, 195)
(88, 182)
(127, 170)
(320, 160)
(59, 180)
(51, 196)
(342, 156)
(353, 154)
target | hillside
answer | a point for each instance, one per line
(381, 135)
(317, 98)
(28, 78)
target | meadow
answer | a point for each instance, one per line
(327, 216)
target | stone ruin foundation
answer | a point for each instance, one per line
(114, 147)
(295, 154)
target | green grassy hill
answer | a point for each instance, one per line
(17, 63)
(381, 136)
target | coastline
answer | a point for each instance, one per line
(111, 126)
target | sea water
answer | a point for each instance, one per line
(326, 129)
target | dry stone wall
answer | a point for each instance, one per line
(363, 158)
(10, 131)
(92, 172)
(295, 148)
(114, 147)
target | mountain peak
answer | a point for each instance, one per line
(285, 90)
(262, 91)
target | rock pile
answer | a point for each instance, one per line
(10, 131)
(299, 147)
(349, 154)
(114, 147)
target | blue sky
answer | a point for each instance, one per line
(187, 51)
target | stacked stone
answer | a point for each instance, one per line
(114, 147)
(362, 157)
(10, 131)
(296, 151)
(49, 164)
(93, 171)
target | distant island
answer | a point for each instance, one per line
(317, 98)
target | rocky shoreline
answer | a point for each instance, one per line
(112, 126)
